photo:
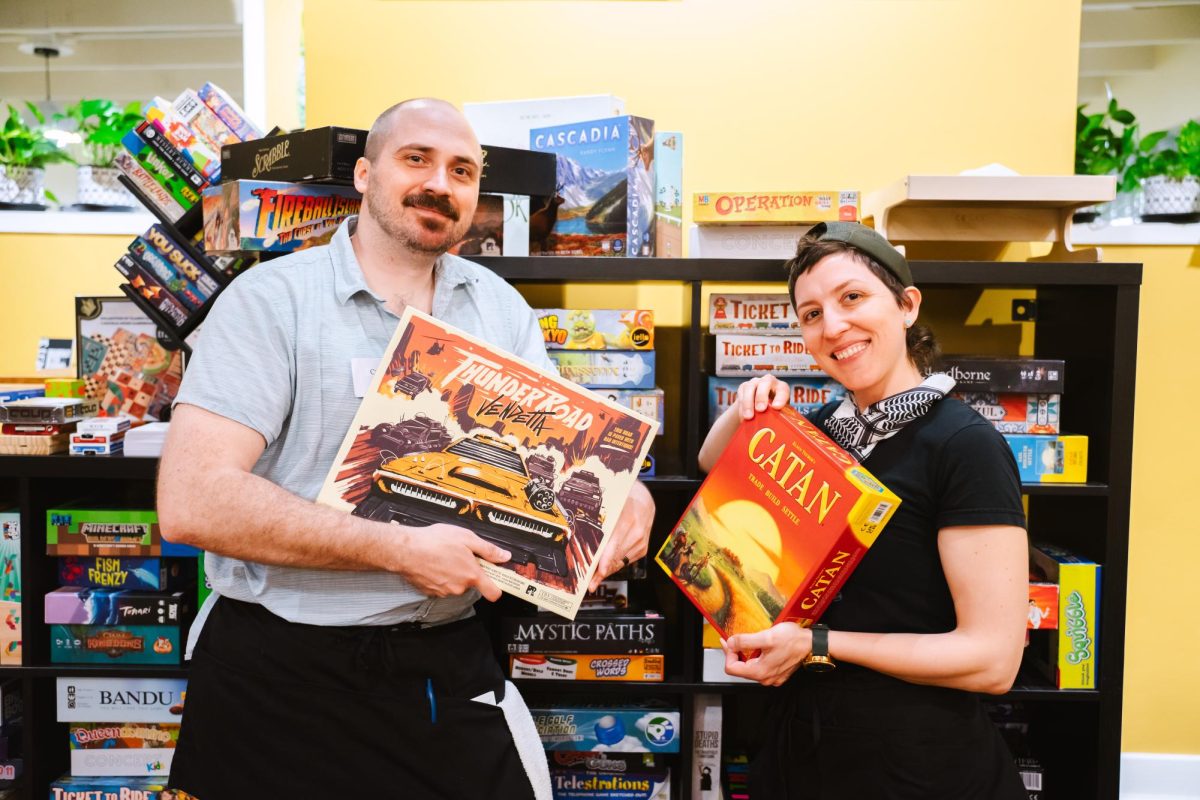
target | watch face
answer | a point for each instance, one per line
(819, 664)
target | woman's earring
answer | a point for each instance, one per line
(908, 323)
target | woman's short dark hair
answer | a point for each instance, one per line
(923, 349)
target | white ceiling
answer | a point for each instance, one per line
(119, 49)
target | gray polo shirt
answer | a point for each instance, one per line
(275, 355)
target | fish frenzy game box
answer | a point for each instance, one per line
(774, 208)
(808, 394)
(108, 532)
(596, 328)
(102, 700)
(1050, 459)
(115, 644)
(647, 728)
(1011, 412)
(778, 525)
(751, 354)
(274, 216)
(605, 177)
(607, 369)
(124, 572)
(1073, 652)
(771, 314)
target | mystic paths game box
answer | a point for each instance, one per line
(453, 430)
(777, 526)
(279, 217)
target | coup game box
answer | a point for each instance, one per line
(453, 430)
(274, 216)
(596, 328)
(778, 525)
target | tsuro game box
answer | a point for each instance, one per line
(606, 369)
(596, 328)
(108, 532)
(777, 526)
(274, 216)
(1012, 412)
(68, 605)
(154, 700)
(594, 632)
(1020, 375)
(752, 313)
(454, 430)
(774, 208)
(605, 177)
(807, 394)
(751, 354)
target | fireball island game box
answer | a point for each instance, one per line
(777, 526)
(453, 430)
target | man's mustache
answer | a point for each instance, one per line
(437, 203)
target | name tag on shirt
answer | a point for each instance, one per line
(363, 371)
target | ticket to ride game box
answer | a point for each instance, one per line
(453, 430)
(245, 215)
(777, 526)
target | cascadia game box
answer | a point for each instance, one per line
(596, 328)
(752, 313)
(454, 430)
(605, 177)
(778, 525)
(275, 216)
(774, 208)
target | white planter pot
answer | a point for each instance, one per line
(98, 186)
(22, 185)
(1168, 197)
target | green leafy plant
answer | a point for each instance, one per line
(1099, 149)
(25, 146)
(1177, 163)
(101, 124)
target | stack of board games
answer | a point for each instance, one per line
(103, 436)
(20, 391)
(41, 425)
(1069, 654)
(1022, 398)
(605, 189)
(10, 587)
(122, 733)
(452, 429)
(763, 224)
(778, 525)
(126, 593)
(594, 646)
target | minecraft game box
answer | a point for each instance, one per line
(452, 430)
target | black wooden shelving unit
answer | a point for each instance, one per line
(1087, 314)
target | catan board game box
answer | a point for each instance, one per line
(453, 430)
(777, 526)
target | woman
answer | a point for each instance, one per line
(936, 610)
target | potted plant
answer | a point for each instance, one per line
(101, 125)
(1170, 176)
(24, 154)
(1100, 150)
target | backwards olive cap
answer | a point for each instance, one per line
(868, 241)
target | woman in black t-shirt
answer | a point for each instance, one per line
(935, 612)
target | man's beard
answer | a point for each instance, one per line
(388, 215)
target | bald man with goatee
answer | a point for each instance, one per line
(338, 654)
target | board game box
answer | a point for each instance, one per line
(1012, 412)
(115, 644)
(108, 532)
(752, 313)
(124, 572)
(123, 735)
(647, 402)
(68, 605)
(274, 216)
(606, 369)
(1020, 375)
(808, 394)
(606, 784)
(774, 208)
(777, 527)
(148, 158)
(10, 589)
(624, 634)
(1073, 654)
(668, 194)
(1050, 459)
(642, 728)
(752, 354)
(69, 787)
(155, 700)
(605, 177)
(116, 762)
(587, 667)
(47, 410)
(228, 111)
(453, 430)
(596, 328)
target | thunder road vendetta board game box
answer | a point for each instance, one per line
(454, 430)
(777, 526)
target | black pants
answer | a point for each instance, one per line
(865, 736)
(277, 709)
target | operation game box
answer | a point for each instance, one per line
(774, 208)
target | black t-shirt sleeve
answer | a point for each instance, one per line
(977, 480)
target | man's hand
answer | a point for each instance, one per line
(443, 561)
(630, 539)
(780, 649)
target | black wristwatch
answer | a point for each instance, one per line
(818, 660)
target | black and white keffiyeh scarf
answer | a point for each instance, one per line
(859, 431)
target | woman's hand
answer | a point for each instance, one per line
(779, 651)
(759, 394)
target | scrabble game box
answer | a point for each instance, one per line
(596, 328)
(752, 313)
(778, 525)
(774, 208)
(274, 216)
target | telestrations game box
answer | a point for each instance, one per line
(274, 216)
(597, 328)
(773, 208)
(453, 430)
(752, 313)
(777, 526)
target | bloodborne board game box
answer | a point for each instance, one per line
(778, 525)
(454, 430)
(1015, 374)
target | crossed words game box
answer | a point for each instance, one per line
(454, 430)
(777, 526)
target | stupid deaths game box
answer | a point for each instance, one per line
(777, 526)
(452, 430)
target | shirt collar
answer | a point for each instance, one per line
(450, 271)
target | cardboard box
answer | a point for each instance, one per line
(70, 606)
(668, 194)
(746, 355)
(108, 532)
(122, 572)
(128, 700)
(1074, 648)
(1011, 412)
(591, 667)
(771, 314)
(507, 122)
(605, 177)
(774, 208)
(808, 394)
(745, 241)
(11, 612)
(1050, 459)
(624, 634)
(244, 215)
(1020, 375)
(647, 402)
(65, 387)
(114, 645)
(606, 369)
(643, 728)
(69, 787)
(596, 328)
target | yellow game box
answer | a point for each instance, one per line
(774, 208)
(560, 667)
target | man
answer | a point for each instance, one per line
(342, 652)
